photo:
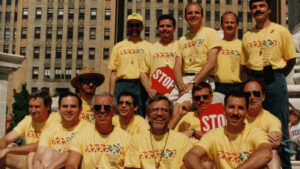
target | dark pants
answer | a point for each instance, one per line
(133, 86)
(226, 88)
(277, 103)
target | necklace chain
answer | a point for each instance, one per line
(98, 159)
(157, 164)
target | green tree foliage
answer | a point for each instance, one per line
(20, 107)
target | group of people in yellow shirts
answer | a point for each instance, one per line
(107, 130)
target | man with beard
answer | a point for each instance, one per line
(269, 54)
(126, 119)
(158, 147)
(197, 54)
(126, 58)
(86, 82)
(227, 72)
(54, 141)
(237, 145)
(263, 119)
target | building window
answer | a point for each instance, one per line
(25, 13)
(50, 13)
(5, 48)
(6, 33)
(228, 2)
(71, 13)
(147, 31)
(159, 1)
(207, 1)
(180, 1)
(48, 52)
(23, 51)
(34, 89)
(91, 53)
(81, 13)
(35, 72)
(37, 32)
(217, 16)
(147, 14)
(207, 15)
(171, 1)
(23, 33)
(240, 2)
(79, 53)
(47, 73)
(180, 15)
(92, 33)
(68, 73)
(138, 11)
(16, 17)
(69, 53)
(158, 13)
(107, 14)
(38, 13)
(77, 71)
(0, 15)
(249, 17)
(171, 12)
(129, 12)
(60, 13)
(240, 16)
(80, 33)
(70, 33)
(8, 2)
(58, 52)
(179, 32)
(59, 33)
(57, 74)
(49, 33)
(7, 16)
(105, 53)
(93, 13)
(15, 33)
(240, 33)
(36, 52)
(14, 49)
(106, 33)
(217, 2)
(199, 1)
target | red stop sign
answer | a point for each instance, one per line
(212, 117)
(163, 80)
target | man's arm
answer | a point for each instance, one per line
(146, 83)
(9, 138)
(192, 158)
(178, 73)
(180, 110)
(289, 66)
(275, 139)
(112, 82)
(259, 158)
(73, 160)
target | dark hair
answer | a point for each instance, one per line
(165, 17)
(158, 98)
(201, 86)
(124, 93)
(229, 12)
(66, 94)
(193, 3)
(253, 80)
(252, 1)
(43, 94)
(238, 94)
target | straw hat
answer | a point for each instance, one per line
(87, 73)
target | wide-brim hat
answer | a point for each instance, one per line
(87, 73)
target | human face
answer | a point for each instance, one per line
(293, 118)
(134, 28)
(193, 16)
(104, 115)
(235, 113)
(255, 103)
(260, 11)
(69, 109)
(126, 107)
(203, 102)
(37, 110)
(166, 31)
(229, 24)
(88, 86)
(159, 116)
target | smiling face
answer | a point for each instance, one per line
(193, 16)
(88, 86)
(69, 109)
(166, 31)
(126, 107)
(159, 116)
(37, 109)
(201, 99)
(229, 24)
(134, 28)
(260, 11)
(103, 111)
(235, 113)
(256, 97)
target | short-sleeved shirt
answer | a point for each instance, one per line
(135, 126)
(295, 130)
(144, 149)
(193, 48)
(273, 44)
(227, 69)
(126, 58)
(31, 130)
(86, 112)
(229, 150)
(106, 151)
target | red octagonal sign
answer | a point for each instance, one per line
(163, 80)
(212, 117)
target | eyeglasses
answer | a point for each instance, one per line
(98, 107)
(138, 25)
(255, 93)
(126, 102)
(198, 98)
(163, 109)
(88, 81)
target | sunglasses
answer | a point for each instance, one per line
(255, 93)
(163, 109)
(126, 102)
(98, 107)
(138, 25)
(88, 81)
(198, 98)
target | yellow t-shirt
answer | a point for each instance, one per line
(140, 153)
(229, 150)
(58, 138)
(86, 112)
(227, 69)
(31, 130)
(106, 150)
(265, 121)
(136, 125)
(273, 44)
(193, 48)
(126, 57)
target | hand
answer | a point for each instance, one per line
(152, 92)
(3, 153)
(198, 135)
(188, 133)
(184, 108)
(189, 87)
(182, 87)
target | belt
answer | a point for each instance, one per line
(128, 80)
(261, 72)
(228, 84)
(190, 74)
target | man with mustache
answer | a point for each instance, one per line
(227, 71)
(126, 58)
(158, 147)
(269, 54)
(237, 145)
